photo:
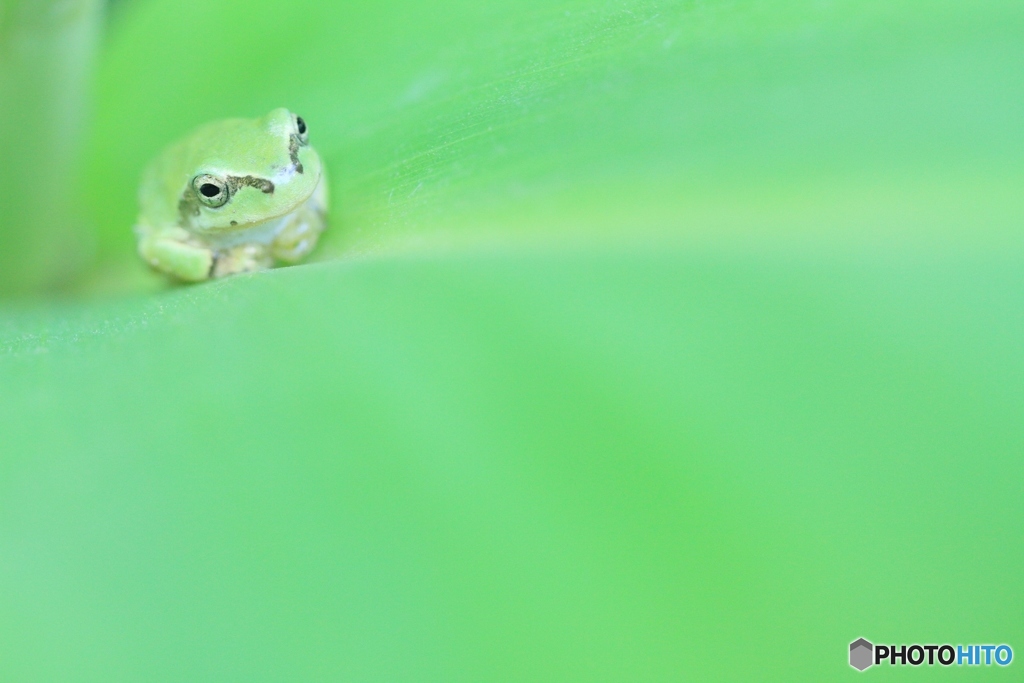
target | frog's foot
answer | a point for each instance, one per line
(244, 258)
(173, 252)
(300, 235)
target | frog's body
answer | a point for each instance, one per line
(231, 197)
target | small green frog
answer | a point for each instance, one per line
(232, 197)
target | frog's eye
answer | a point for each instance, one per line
(303, 129)
(211, 190)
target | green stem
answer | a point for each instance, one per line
(46, 55)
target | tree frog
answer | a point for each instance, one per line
(231, 197)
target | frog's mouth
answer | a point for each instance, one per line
(263, 232)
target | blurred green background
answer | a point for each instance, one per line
(651, 341)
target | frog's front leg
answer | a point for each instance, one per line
(173, 251)
(299, 236)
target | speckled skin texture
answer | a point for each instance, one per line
(233, 196)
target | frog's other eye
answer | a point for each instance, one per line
(303, 129)
(211, 190)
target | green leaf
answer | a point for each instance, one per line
(651, 341)
(46, 51)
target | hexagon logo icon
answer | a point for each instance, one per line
(861, 652)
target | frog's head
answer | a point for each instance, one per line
(242, 172)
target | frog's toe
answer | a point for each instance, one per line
(184, 261)
(299, 237)
(242, 259)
